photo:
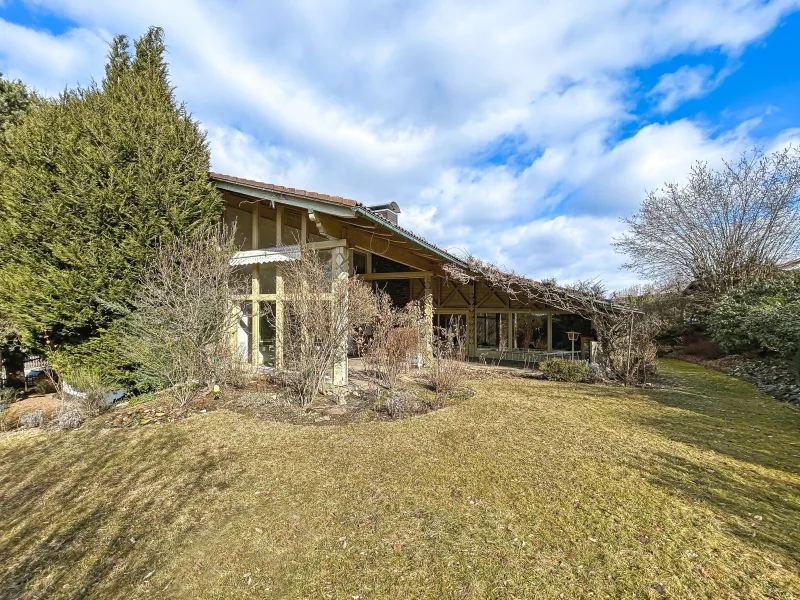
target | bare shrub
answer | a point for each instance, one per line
(398, 339)
(449, 366)
(179, 332)
(320, 309)
(32, 419)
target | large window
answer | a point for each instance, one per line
(266, 331)
(243, 221)
(564, 323)
(266, 276)
(487, 329)
(530, 331)
(266, 233)
(359, 265)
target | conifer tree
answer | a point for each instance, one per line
(91, 183)
(16, 101)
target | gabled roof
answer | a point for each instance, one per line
(356, 206)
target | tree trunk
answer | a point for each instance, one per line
(14, 363)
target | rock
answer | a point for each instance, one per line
(336, 410)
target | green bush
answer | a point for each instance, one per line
(560, 369)
(762, 315)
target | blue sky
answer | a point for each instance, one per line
(519, 131)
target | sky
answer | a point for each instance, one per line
(518, 131)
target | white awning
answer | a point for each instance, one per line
(271, 255)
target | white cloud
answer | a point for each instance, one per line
(491, 117)
(687, 83)
(51, 62)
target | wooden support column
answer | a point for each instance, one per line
(471, 331)
(341, 270)
(549, 331)
(510, 319)
(303, 227)
(279, 291)
(255, 321)
(427, 308)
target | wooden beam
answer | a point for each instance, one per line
(329, 245)
(375, 244)
(401, 275)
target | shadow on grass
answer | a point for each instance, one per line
(763, 511)
(723, 414)
(715, 412)
(97, 509)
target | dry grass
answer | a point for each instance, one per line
(530, 489)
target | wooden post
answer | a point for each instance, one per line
(303, 227)
(510, 331)
(278, 291)
(427, 308)
(341, 270)
(471, 330)
(255, 321)
(549, 331)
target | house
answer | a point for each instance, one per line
(370, 242)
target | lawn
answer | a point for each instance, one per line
(529, 489)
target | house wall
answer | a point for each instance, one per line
(394, 265)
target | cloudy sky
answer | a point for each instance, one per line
(519, 131)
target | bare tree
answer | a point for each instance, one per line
(181, 327)
(722, 226)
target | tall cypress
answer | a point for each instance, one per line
(91, 182)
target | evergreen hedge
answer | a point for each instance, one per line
(762, 315)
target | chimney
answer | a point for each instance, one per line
(387, 211)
